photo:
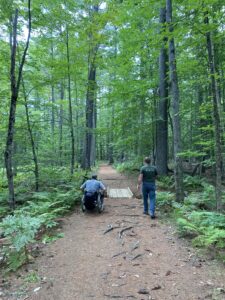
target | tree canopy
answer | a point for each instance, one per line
(92, 85)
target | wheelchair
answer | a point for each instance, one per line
(92, 201)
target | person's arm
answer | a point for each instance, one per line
(102, 187)
(83, 186)
(140, 179)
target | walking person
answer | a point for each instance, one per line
(146, 178)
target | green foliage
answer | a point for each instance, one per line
(51, 238)
(186, 229)
(20, 229)
(54, 176)
(128, 80)
(15, 259)
(32, 277)
(209, 194)
(165, 201)
(48, 206)
(165, 182)
(193, 181)
(191, 153)
(39, 212)
(3, 211)
(209, 219)
(211, 237)
(207, 228)
(130, 165)
(196, 201)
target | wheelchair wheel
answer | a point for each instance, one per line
(83, 208)
(100, 205)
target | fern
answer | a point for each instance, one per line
(208, 219)
(165, 201)
(20, 229)
(193, 181)
(186, 229)
(211, 236)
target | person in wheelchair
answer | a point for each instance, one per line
(93, 194)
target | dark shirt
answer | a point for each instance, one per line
(149, 173)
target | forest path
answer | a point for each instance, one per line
(138, 258)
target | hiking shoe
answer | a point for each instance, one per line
(145, 213)
(152, 217)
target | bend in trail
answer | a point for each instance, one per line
(122, 254)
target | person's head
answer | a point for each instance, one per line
(147, 160)
(94, 176)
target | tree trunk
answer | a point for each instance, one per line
(70, 105)
(90, 98)
(111, 138)
(178, 172)
(216, 117)
(90, 103)
(15, 150)
(61, 124)
(162, 109)
(33, 147)
(15, 85)
(93, 142)
(52, 98)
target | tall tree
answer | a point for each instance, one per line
(70, 104)
(216, 114)
(15, 87)
(31, 135)
(91, 97)
(178, 172)
(162, 109)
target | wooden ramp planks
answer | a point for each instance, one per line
(120, 193)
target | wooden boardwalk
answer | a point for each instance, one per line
(120, 193)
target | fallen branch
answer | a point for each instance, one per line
(123, 230)
(113, 296)
(110, 228)
(125, 215)
(135, 246)
(136, 256)
(118, 254)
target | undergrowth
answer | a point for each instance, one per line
(129, 166)
(197, 219)
(37, 215)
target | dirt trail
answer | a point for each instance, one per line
(139, 259)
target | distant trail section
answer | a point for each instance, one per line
(119, 193)
(122, 254)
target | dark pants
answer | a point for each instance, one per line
(148, 192)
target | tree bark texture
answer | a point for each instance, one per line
(178, 172)
(91, 102)
(53, 98)
(15, 85)
(162, 109)
(216, 118)
(61, 124)
(33, 147)
(70, 106)
(111, 138)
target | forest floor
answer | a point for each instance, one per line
(138, 258)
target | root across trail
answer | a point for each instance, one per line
(122, 254)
